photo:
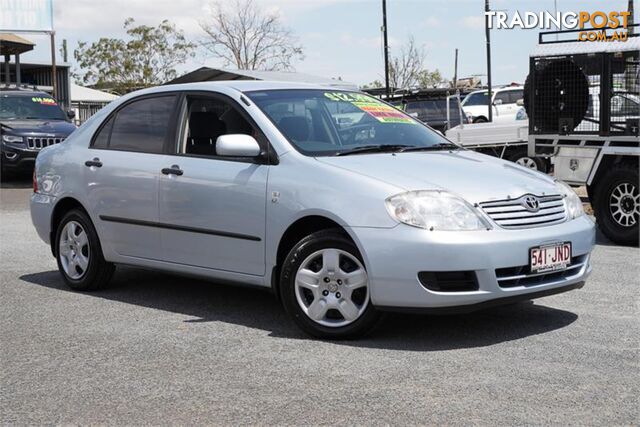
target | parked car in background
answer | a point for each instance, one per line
(287, 186)
(29, 121)
(504, 103)
(430, 106)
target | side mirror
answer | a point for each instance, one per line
(237, 145)
(71, 114)
(520, 102)
(497, 102)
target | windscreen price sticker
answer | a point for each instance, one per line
(380, 111)
(43, 101)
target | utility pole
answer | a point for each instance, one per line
(54, 73)
(630, 21)
(455, 71)
(488, 38)
(386, 48)
(64, 50)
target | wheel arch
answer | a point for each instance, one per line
(63, 206)
(608, 162)
(296, 231)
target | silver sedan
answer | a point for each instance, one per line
(336, 201)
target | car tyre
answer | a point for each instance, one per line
(617, 206)
(79, 254)
(522, 158)
(300, 302)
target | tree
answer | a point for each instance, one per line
(376, 84)
(404, 70)
(407, 70)
(246, 37)
(148, 58)
(428, 78)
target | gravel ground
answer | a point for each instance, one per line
(160, 349)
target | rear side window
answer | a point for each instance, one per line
(140, 126)
(515, 96)
(101, 139)
(504, 97)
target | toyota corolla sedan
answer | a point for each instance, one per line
(340, 204)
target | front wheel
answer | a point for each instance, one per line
(325, 288)
(79, 254)
(617, 204)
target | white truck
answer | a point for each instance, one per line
(507, 140)
(582, 100)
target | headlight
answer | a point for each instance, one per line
(435, 210)
(11, 138)
(571, 199)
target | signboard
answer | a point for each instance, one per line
(26, 15)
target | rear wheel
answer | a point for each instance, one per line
(79, 254)
(617, 204)
(325, 288)
(480, 120)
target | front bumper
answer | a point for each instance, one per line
(17, 157)
(395, 256)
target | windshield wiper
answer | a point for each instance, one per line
(378, 148)
(434, 147)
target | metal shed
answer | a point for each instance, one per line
(205, 74)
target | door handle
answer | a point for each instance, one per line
(95, 162)
(173, 170)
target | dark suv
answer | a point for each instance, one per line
(430, 107)
(29, 121)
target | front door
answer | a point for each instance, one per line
(213, 209)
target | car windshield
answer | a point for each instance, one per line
(330, 122)
(38, 106)
(476, 98)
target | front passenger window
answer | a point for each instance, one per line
(207, 118)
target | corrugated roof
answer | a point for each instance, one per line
(11, 44)
(219, 74)
(86, 94)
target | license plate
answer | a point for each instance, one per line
(550, 257)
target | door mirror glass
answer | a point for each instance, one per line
(520, 102)
(71, 114)
(237, 145)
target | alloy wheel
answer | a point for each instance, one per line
(527, 162)
(74, 250)
(624, 204)
(332, 287)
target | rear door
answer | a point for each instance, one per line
(122, 172)
(502, 103)
(213, 210)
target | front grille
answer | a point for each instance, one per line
(449, 281)
(512, 277)
(513, 213)
(37, 143)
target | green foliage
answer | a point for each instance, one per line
(428, 78)
(373, 85)
(148, 58)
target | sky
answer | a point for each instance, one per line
(341, 38)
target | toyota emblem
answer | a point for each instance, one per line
(531, 203)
